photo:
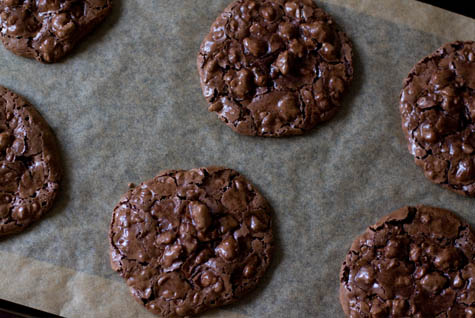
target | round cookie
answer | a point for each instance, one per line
(416, 262)
(438, 116)
(46, 30)
(274, 67)
(29, 164)
(188, 241)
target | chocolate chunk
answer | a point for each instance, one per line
(188, 241)
(415, 262)
(29, 164)
(261, 54)
(438, 110)
(47, 30)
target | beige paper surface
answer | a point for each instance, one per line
(128, 104)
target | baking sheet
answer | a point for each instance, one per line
(128, 104)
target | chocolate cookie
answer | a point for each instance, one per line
(187, 241)
(29, 164)
(416, 262)
(438, 116)
(46, 30)
(274, 67)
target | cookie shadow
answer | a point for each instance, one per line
(60, 202)
(97, 33)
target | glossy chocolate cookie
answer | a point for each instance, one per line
(274, 67)
(46, 30)
(416, 262)
(187, 241)
(29, 164)
(438, 116)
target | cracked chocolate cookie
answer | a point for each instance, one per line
(187, 241)
(274, 67)
(29, 164)
(46, 30)
(438, 116)
(416, 262)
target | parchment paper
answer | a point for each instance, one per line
(128, 104)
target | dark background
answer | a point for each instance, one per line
(11, 310)
(458, 6)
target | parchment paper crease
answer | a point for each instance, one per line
(128, 104)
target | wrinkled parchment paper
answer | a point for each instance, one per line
(128, 104)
